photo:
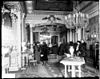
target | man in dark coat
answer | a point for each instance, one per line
(62, 49)
(83, 49)
(67, 48)
(37, 51)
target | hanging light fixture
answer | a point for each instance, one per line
(77, 19)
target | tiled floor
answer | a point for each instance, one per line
(51, 70)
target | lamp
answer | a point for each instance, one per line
(77, 19)
(93, 36)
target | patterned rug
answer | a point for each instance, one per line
(27, 73)
(51, 70)
(37, 71)
(57, 69)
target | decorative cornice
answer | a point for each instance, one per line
(50, 12)
(16, 5)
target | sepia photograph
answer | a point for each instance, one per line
(50, 39)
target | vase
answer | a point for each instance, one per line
(71, 50)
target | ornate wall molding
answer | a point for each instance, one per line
(13, 37)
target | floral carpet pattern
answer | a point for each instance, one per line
(33, 72)
(58, 69)
(51, 70)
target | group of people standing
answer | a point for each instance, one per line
(41, 51)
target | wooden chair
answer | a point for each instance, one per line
(32, 61)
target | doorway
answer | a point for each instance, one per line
(35, 37)
(45, 38)
(54, 40)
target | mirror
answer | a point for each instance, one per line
(45, 37)
(54, 40)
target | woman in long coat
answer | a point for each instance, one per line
(37, 52)
(44, 53)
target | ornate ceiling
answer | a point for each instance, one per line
(49, 5)
(42, 8)
(61, 7)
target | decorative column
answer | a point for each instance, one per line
(83, 33)
(23, 42)
(79, 34)
(76, 35)
(19, 38)
(70, 34)
(73, 35)
(31, 37)
(23, 27)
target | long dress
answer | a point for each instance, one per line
(37, 53)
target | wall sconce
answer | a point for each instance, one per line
(93, 36)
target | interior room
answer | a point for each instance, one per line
(50, 38)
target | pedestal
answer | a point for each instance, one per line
(14, 66)
(24, 59)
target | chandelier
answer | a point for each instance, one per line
(77, 19)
